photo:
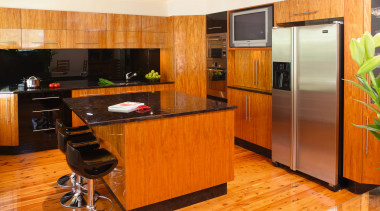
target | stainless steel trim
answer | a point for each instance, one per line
(254, 72)
(8, 42)
(87, 43)
(246, 107)
(175, 69)
(302, 13)
(257, 72)
(215, 27)
(127, 43)
(249, 108)
(40, 111)
(45, 98)
(44, 129)
(293, 159)
(7, 99)
(45, 42)
(366, 140)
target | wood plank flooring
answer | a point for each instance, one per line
(28, 182)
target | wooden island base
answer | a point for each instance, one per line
(166, 158)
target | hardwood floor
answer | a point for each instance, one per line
(28, 182)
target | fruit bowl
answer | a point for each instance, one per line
(153, 76)
(153, 80)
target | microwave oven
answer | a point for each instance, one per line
(251, 28)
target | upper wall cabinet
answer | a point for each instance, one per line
(43, 19)
(303, 10)
(44, 39)
(86, 21)
(117, 22)
(10, 38)
(10, 18)
(154, 24)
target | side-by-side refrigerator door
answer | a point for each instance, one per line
(282, 95)
(317, 100)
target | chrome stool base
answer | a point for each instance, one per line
(101, 205)
(66, 181)
(76, 199)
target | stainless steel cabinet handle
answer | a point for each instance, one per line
(87, 43)
(302, 13)
(215, 27)
(45, 98)
(8, 42)
(45, 42)
(254, 70)
(246, 107)
(7, 110)
(40, 111)
(126, 43)
(175, 69)
(249, 107)
(95, 94)
(44, 129)
(366, 141)
(257, 73)
(154, 43)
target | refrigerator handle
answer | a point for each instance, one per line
(246, 108)
(249, 107)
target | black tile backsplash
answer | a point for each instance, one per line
(76, 64)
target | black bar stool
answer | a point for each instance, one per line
(83, 141)
(90, 164)
(67, 180)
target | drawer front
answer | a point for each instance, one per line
(86, 39)
(123, 39)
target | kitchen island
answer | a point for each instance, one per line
(178, 153)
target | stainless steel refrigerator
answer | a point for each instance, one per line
(306, 99)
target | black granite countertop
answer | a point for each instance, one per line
(250, 89)
(72, 85)
(94, 110)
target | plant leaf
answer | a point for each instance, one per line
(373, 127)
(369, 65)
(369, 106)
(376, 38)
(369, 45)
(377, 135)
(377, 122)
(357, 52)
(358, 85)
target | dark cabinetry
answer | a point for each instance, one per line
(217, 23)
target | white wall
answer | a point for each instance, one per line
(138, 7)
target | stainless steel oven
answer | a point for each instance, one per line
(217, 65)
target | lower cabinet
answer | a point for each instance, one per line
(253, 117)
(9, 120)
(76, 121)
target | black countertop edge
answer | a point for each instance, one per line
(145, 118)
(47, 89)
(260, 91)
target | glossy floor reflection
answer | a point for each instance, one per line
(28, 182)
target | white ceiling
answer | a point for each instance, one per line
(138, 7)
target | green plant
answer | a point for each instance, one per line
(363, 52)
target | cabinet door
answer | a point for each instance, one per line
(299, 10)
(86, 39)
(235, 97)
(9, 120)
(263, 70)
(118, 22)
(43, 19)
(154, 40)
(10, 18)
(261, 111)
(243, 71)
(10, 38)
(321, 9)
(48, 39)
(116, 39)
(86, 21)
(154, 24)
(281, 12)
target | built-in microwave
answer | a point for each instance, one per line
(251, 28)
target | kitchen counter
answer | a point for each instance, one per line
(249, 89)
(177, 154)
(94, 110)
(73, 85)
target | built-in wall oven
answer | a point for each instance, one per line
(37, 113)
(217, 65)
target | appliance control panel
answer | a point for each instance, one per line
(282, 75)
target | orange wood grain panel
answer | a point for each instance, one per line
(281, 12)
(323, 7)
(118, 22)
(10, 38)
(86, 39)
(9, 120)
(190, 54)
(154, 40)
(118, 39)
(185, 156)
(264, 71)
(299, 10)
(154, 24)
(236, 97)
(231, 68)
(167, 54)
(354, 137)
(243, 69)
(261, 116)
(86, 21)
(10, 18)
(43, 19)
(48, 39)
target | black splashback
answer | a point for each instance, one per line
(76, 64)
